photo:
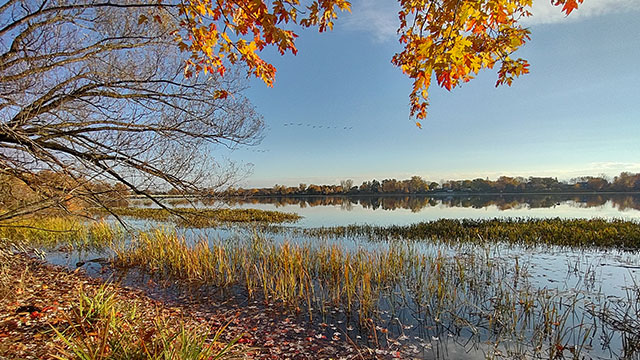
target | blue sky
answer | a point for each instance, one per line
(576, 113)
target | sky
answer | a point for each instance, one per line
(340, 110)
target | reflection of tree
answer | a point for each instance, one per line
(417, 203)
(626, 202)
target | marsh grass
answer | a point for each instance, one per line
(202, 218)
(100, 327)
(622, 316)
(586, 233)
(474, 295)
(55, 232)
(462, 286)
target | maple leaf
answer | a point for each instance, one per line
(570, 5)
(453, 40)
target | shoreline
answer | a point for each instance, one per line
(222, 197)
(36, 295)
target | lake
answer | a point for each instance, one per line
(402, 210)
(455, 301)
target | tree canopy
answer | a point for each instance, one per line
(91, 93)
(416, 185)
(449, 40)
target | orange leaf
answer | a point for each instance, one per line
(220, 94)
(569, 6)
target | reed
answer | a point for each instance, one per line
(100, 327)
(477, 293)
(586, 233)
(202, 218)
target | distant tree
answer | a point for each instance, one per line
(591, 183)
(346, 185)
(417, 185)
(389, 185)
(626, 181)
(375, 186)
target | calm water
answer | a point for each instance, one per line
(585, 275)
(401, 210)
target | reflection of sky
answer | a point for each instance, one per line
(336, 215)
(591, 272)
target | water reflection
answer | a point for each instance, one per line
(621, 202)
(318, 211)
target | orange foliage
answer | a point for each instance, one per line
(449, 39)
(230, 31)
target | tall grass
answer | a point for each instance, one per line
(100, 327)
(53, 232)
(474, 293)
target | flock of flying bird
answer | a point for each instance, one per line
(319, 126)
(307, 125)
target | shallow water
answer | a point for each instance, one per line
(402, 210)
(566, 275)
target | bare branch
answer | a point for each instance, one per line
(91, 97)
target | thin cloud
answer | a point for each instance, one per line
(616, 166)
(378, 18)
(545, 13)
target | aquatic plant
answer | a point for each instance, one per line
(466, 289)
(474, 295)
(565, 232)
(56, 232)
(200, 218)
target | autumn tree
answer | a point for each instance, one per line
(447, 40)
(626, 181)
(90, 92)
(346, 185)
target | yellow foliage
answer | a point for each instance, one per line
(451, 39)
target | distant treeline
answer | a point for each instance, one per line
(625, 182)
(415, 203)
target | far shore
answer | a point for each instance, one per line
(427, 194)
